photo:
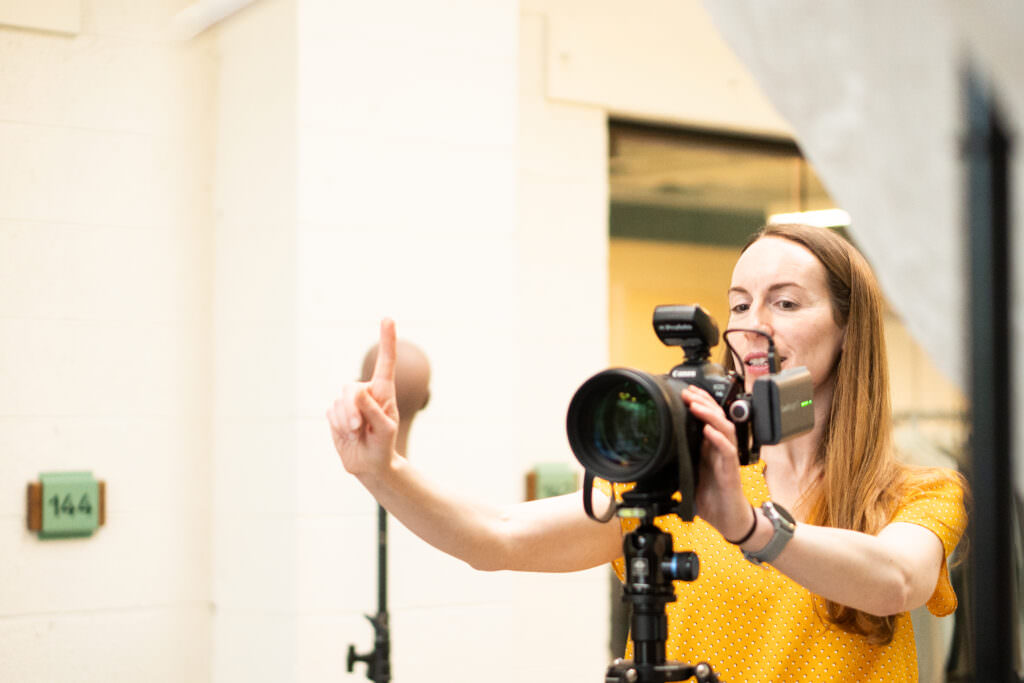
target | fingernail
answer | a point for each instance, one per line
(354, 424)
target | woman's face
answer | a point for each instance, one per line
(779, 287)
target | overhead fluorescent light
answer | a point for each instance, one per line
(825, 218)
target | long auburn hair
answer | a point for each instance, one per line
(861, 482)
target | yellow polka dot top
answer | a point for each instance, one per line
(755, 625)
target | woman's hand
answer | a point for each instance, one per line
(719, 496)
(364, 421)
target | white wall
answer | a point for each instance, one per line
(417, 201)
(104, 328)
(656, 60)
(347, 193)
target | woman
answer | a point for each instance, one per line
(826, 600)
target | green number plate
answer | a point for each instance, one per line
(554, 479)
(71, 503)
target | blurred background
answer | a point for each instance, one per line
(206, 208)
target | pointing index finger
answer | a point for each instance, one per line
(384, 370)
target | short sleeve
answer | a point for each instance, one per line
(937, 504)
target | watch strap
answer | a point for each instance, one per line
(782, 531)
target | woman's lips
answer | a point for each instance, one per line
(757, 363)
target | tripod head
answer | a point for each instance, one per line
(651, 567)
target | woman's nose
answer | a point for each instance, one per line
(762, 321)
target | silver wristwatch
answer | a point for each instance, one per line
(783, 524)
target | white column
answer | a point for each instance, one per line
(254, 312)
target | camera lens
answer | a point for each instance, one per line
(620, 425)
(626, 424)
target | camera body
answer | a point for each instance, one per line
(625, 425)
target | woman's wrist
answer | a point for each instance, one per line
(761, 534)
(750, 531)
(378, 476)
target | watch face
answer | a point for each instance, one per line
(783, 513)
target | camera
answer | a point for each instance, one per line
(625, 425)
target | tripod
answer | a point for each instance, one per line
(651, 566)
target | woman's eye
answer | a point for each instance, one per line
(740, 308)
(787, 305)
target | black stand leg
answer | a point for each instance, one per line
(378, 660)
(992, 355)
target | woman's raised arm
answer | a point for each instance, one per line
(551, 534)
